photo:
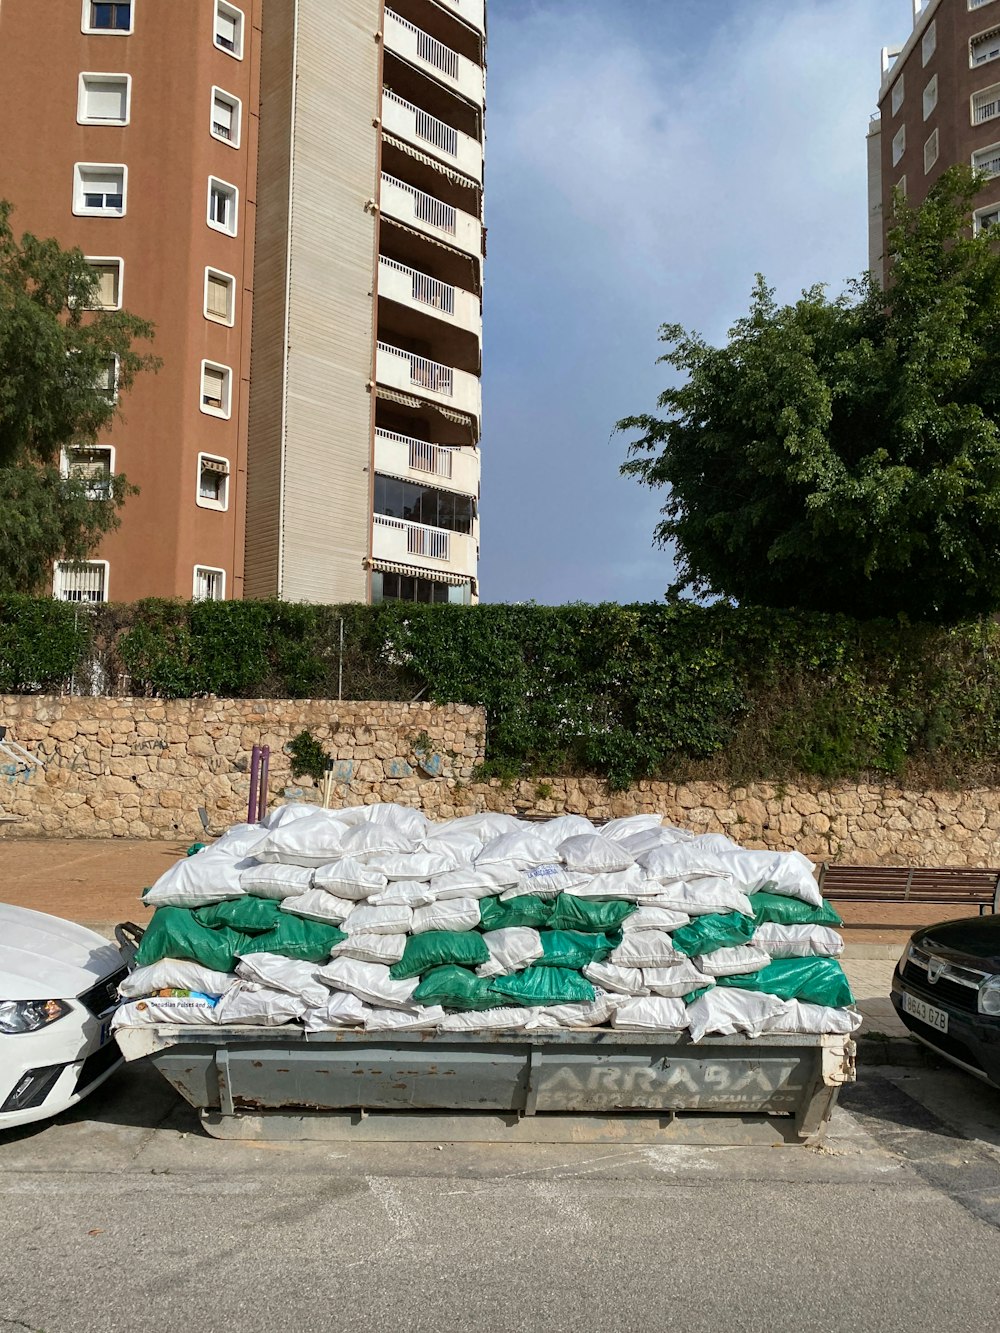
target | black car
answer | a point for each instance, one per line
(946, 989)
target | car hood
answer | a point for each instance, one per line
(45, 958)
(972, 941)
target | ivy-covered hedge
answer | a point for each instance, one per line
(625, 691)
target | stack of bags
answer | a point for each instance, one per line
(377, 918)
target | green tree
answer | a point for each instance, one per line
(844, 455)
(54, 352)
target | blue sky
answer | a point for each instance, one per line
(644, 159)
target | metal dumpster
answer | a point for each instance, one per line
(594, 1085)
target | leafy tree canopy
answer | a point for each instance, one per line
(844, 455)
(54, 351)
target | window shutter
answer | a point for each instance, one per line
(107, 290)
(225, 29)
(213, 386)
(106, 100)
(218, 297)
(222, 115)
(97, 181)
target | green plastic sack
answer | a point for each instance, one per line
(569, 913)
(296, 937)
(250, 915)
(465, 948)
(574, 949)
(455, 988)
(812, 980)
(791, 911)
(543, 985)
(524, 911)
(705, 934)
(175, 932)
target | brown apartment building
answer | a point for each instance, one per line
(939, 104)
(291, 190)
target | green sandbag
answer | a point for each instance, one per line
(175, 932)
(705, 934)
(812, 980)
(456, 988)
(574, 949)
(524, 911)
(571, 913)
(543, 985)
(791, 911)
(465, 948)
(249, 914)
(297, 937)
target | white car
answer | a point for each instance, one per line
(58, 991)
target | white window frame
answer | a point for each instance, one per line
(109, 449)
(94, 260)
(220, 506)
(212, 272)
(226, 411)
(898, 145)
(898, 93)
(85, 25)
(57, 570)
(237, 109)
(980, 213)
(217, 226)
(901, 185)
(207, 569)
(930, 96)
(993, 148)
(932, 151)
(231, 11)
(928, 43)
(101, 76)
(79, 210)
(983, 36)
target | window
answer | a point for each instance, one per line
(226, 117)
(103, 99)
(94, 466)
(99, 189)
(389, 587)
(229, 28)
(929, 43)
(220, 296)
(930, 152)
(930, 96)
(109, 284)
(223, 202)
(984, 218)
(984, 48)
(987, 159)
(81, 581)
(107, 380)
(213, 482)
(986, 104)
(216, 387)
(111, 18)
(978, 4)
(424, 504)
(209, 584)
(898, 145)
(898, 93)
(901, 186)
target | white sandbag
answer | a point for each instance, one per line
(715, 842)
(250, 1003)
(369, 982)
(174, 974)
(645, 948)
(787, 873)
(473, 882)
(675, 981)
(619, 980)
(413, 865)
(386, 949)
(815, 1018)
(737, 961)
(545, 882)
(589, 1015)
(594, 855)
(725, 1010)
(798, 941)
(452, 914)
(486, 1020)
(404, 893)
(339, 1010)
(463, 846)
(276, 881)
(318, 905)
(512, 949)
(348, 878)
(556, 831)
(169, 1009)
(654, 918)
(240, 840)
(195, 881)
(400, 1020)
(486, 826)
(286, 974)
(366, 920)
(631, 884)
(523, 848)
(678, 862)
(286, 814)
(703, 897)
(638, 843)
(654, 1013)
(310, 840)
(366, 840)
(615, 829)
(412, 823)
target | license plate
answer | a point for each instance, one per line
(926, 1013)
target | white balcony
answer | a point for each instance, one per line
(472, 11)
(431, 135)
(415, 460)
(429, 379)
(401, 542)
(455, 71)
(432, 216)
(419, 291)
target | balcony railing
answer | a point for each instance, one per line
(430, 375)
(429, 48)
(985, 108)
(426, 208)
(422, 457)
(428, 127)
(430, 543)
(429, 291)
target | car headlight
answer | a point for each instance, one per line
(29, 1015)
(989, 997)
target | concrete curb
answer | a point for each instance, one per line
(906, 1051)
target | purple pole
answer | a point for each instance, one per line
(265, 765)
(254, 776)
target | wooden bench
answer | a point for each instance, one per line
(964, 885)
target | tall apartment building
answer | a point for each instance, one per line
(291, 190)
(939, 104)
